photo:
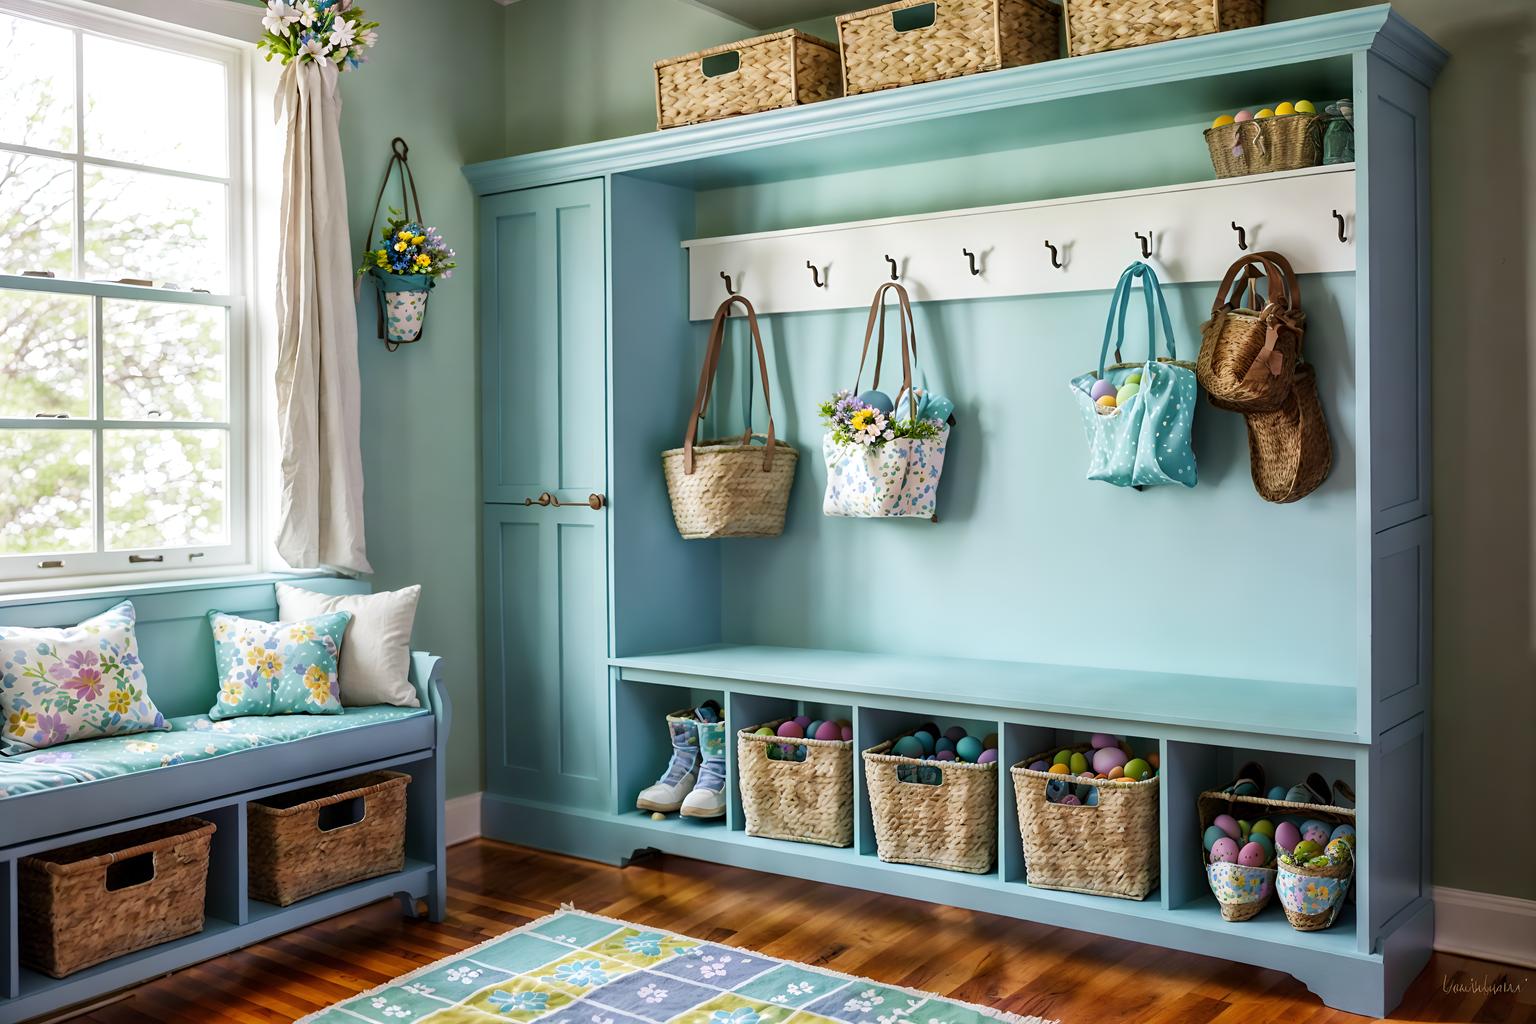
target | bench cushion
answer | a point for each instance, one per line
(192, 738)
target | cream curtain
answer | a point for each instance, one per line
(318, 393)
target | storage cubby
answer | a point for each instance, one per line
(745, 710)
(643, 746)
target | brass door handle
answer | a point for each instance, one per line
(594, 501)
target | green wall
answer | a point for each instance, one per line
(436, 80)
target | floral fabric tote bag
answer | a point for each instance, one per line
(1138, 415)
(884, 457)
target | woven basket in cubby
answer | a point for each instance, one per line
(1110, 849)
(808, 801)
(1097, 25)
(296, 850)
(76, 912)
(1284, 142)
(784, 69)
(916, 41)
(951, 825)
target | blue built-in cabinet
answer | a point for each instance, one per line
(1207, 622)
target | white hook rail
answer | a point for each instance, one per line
(1076, 244)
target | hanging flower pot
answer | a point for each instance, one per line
(406, 259)
(405, 304)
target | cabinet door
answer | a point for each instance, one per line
(546, 659)
(543, 317)
(546, 567)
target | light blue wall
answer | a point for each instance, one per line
(436, 80)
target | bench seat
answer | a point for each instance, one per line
(193, 738)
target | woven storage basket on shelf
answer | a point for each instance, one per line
(1248, 353)
(922, 41)
(779, 70)
(1285, 142)
(1097, 25)
(808, 801)
(1325, 886)
(1289, 450)
(1107, 850)
(1252, 808)
(724, 487)
(85, 904)
(317, 839)
(952, 825)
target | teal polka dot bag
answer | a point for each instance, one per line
(1139, 436)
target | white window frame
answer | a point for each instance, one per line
(242, 507)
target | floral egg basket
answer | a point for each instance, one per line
(1312, 896)
(1241, 890)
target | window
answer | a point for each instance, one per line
(123, 391)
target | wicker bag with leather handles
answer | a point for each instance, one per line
(1249, 353)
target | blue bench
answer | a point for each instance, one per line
(74, 792)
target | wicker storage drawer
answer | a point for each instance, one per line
(317, 839)
(808, 801)
(84, 904)
(779, 70)
(1097, 25)
(950, 824)
(1110, 849)
(925, 40)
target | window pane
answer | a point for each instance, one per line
(37, 79)
(45, 503)
(36, 214)
(45, 354)
(154, 227)
(150, 106)
(163, 360)
(165, 488)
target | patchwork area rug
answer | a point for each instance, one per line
(578, 968)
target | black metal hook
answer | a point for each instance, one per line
(893, 267)
(815, 274)
(727, 279)
(1055, 259)
(1340, 218)
(975, 270)
(1146, 244)
(1242, 236)
(401, 149)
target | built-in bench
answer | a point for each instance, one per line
(78, 791)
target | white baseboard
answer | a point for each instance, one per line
(1478, 924)
(462, 817)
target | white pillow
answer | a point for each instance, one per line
(376, 650)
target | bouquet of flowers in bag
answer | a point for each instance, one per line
(869, 419)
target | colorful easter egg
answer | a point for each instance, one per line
(810, 730)
(1265, 827)
(801, 720)
(1093, 797)
(764, 731)
(987, 757)
(1265, 841)
(945, 755)
(1055, 790)
(1227, 824)
(1136, 769)
(1243, 115)
(1317, 831)
(1117, 772)
(829, 731)
(968, 749)
(907, 746)
(1252, 855)
(942, 744)
(1244, 827)
(1102, 739)
(847, 731)
(1126, 393)
(1223, 121)
(955, 733)
(1060, 769)
(1106, 403)
(1345, 831)
(1287, 836)
(926, 738)
(877, 400)
(1338, 851)
(794, 730)
(1039, 766)
(1062, 757)
(1224, 851)
(1261, 115)
(1305, 107)
(1101, 387)
(1212, 834)
(1079, 763)
(1071, 799)
(1282, 109)
(1106, 758)
(1306, 850)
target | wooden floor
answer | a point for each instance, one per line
(1029, 969)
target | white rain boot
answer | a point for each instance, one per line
(708, 797)
(667, 794)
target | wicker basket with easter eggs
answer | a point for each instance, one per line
(933, 798)
(1088, 818)
(1258, 842)
(1285, 137)
(796, 779)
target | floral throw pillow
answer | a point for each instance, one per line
(74, 683)
(277, 668)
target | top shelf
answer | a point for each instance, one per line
(1245, 706)
(1173, 83)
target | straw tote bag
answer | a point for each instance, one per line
(729, 487)
(1248, 356)
(1289, 450)
(898, 478)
